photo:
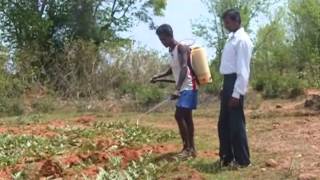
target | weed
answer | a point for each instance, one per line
(21, 175)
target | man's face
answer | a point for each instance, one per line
(229, 24)
(165, 40)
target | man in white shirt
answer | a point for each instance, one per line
(235, 67)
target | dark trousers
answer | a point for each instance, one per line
(232, 127)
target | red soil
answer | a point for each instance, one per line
(86, 119)
(50, 168)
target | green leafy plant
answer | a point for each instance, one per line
(129, 135)
(141, 169)
(12, 148)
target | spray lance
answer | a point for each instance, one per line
(165, 101)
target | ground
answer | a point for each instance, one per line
(284, 139)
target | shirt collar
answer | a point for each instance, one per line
(237, 33)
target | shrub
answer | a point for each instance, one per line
(142, 94)
(43, 105)
(216, 85)
(275, 85)
(11, 107)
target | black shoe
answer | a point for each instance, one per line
(193, 152)
(236, 165)
(187, 154)
(222, 164)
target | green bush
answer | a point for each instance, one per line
(43, 105)
(11, 107)
(217, 80)
(142, 94)
(275, 85)
(149, 95)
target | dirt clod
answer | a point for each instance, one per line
(85, 119)
(71, 160)
(105, 144)
(5, 174)
(51, 169)
(271, 163)
(91, 171)
(307, 176)
(313, 100)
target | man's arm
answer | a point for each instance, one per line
(164, 74)
(183, 60)
(244, 50)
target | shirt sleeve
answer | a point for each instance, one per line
(244, 50)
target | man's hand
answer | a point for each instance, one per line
(175, 95)
(234, 102)
(220, 94)
(154, 79)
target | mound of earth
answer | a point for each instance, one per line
(313, 100)
(51, 169)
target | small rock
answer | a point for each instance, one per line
(298, 155)
(272, 163)
(278, 106)
(307, 176)
(263, 169)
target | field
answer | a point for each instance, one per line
(284, 138)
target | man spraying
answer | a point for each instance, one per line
(235, 67)
(186, 88)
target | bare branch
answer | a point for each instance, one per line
(43, 6)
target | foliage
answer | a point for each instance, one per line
(53, 21)
(216, 85)
(277, 85)
(131, 135)
(48, 38)
(273, 53)
(11, 106)
(273, 56)
(141, 169)
(285, 63)
(305, 18)
(43, 105)
(143, 95)
(12, 148)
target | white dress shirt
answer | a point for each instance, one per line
(236, 58)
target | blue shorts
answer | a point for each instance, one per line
(188, 99)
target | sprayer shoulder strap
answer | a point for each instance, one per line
(193, 74)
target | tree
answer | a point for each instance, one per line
(25, 21)
(273, 46)
(40, 30)
(305, 18)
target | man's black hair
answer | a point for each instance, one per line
(165, 29)
(233, 14)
